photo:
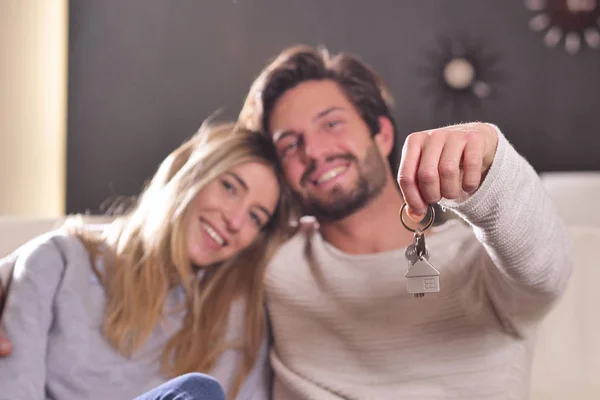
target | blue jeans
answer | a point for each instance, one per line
(192, 386)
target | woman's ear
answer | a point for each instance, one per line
(385, 138)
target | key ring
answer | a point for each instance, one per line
(429, 223)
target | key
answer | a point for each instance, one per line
(422, 277)
(415, 250)
(420, 243)
(412, 255)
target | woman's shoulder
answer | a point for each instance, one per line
(58, 240)
(50, 251)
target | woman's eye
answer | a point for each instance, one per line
(228, 186)
(254, 216)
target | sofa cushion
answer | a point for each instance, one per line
(566, 363)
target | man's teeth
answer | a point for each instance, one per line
(213, 234)
(332, 173)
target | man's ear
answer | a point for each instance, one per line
(385, 138)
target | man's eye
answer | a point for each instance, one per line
(333, 124)
(290, 147)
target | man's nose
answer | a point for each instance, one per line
(315, 146)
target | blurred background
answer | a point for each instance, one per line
(96, 93)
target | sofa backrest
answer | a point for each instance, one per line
(566, 362)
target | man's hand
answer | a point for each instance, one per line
(448, 162)
(5, 346)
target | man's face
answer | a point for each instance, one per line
(330, 159)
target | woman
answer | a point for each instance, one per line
(175, 286)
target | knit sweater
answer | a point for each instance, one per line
(54, 316)
(360, 335)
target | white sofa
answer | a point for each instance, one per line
(567, 359)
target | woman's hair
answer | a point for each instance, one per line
(145, 255)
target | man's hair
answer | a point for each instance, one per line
(362, 86)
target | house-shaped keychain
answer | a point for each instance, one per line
(422, 278)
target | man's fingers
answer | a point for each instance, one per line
(428, 175)
(441, 163)
(407, 175)
(472, 164)
(450, 168)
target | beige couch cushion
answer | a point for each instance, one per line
(567, 356)
(576, 196)
(15, 231)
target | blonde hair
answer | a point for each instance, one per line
(145, 255)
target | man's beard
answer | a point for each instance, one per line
(341, 202)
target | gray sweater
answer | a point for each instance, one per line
(54, 315)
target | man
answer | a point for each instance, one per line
(344, 325)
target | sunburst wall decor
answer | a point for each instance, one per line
(577, 21)
(461, 75)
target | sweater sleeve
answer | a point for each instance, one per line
(526, 257)
(27, 318)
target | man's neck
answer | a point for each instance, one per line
(373, 229)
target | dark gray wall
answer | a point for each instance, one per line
(143, 74)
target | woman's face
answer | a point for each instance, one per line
(229, 212)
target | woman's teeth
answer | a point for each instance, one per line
(213, 234)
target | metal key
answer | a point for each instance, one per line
(416, 250)
(422, 277)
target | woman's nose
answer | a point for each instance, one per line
(235, 218)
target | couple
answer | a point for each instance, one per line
(177, 285)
